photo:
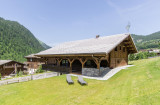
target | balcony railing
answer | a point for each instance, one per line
(12, 66)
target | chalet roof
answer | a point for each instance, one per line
(2, 62)
(31, 56)
(101, 45)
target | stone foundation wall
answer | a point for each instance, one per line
(94, 72)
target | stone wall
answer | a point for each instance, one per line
(94, 72)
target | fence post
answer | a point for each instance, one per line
(31, 77)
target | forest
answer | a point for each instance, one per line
(147, 41)
(16, 41)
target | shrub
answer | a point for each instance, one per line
(39, 70)
(25, 72)
(0, 76)
(141, 55)
(17, 74)
(20, 73)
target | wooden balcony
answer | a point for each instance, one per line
(18, 66)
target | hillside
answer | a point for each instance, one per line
(16, 41)
(44, 45)
(147, 41)
(137, 85)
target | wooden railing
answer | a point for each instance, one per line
(12, 66)
(62, 69)
(28, 78)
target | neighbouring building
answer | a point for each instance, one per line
(33, 62)
(157, 51)
(90, 57)
(8, 67)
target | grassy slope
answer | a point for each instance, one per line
(139, 84)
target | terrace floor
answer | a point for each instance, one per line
(108, 75)
(77, 73)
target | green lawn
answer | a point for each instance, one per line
(137, 85)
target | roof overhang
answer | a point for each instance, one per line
(12, 61)
(132, 47)
(70, 55)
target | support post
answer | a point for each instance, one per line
(70, 61)
(59, 61)
(97, 61)
(15, 68)
(70, 68)
(82, 65)
(83, 61)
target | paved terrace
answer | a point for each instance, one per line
(108, 75)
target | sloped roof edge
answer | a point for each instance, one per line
(88, 46)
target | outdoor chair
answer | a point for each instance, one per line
(81, 81)
(69, 80)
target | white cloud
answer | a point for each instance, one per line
(135, 9)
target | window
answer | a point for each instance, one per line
(123, 49)
(120, 48)
(116, 49)
(65, 63)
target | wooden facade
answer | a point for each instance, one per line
(10, 67)
(34, 62)
(116, 58)
(119, 56)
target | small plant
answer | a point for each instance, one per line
(17, 74)
(25, 72)
(20, 73)
(39, 70)
(0, 76)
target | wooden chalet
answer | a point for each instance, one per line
(33, 62)
(90, 56)
(8, 67)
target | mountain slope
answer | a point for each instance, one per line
(44, 45)
(148, 41)
(16, 41)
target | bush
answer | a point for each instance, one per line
(39, 70)
(20, 73)
(141, 55)
(17, 74)
(25, 72)
(0, 76)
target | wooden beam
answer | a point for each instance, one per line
(83, 61)
(73, 55)
(59, 61)
(97, 61)
(70, 62)
(15, 65)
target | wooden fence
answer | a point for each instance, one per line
(28, 78)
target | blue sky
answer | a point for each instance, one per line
(57, 21)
